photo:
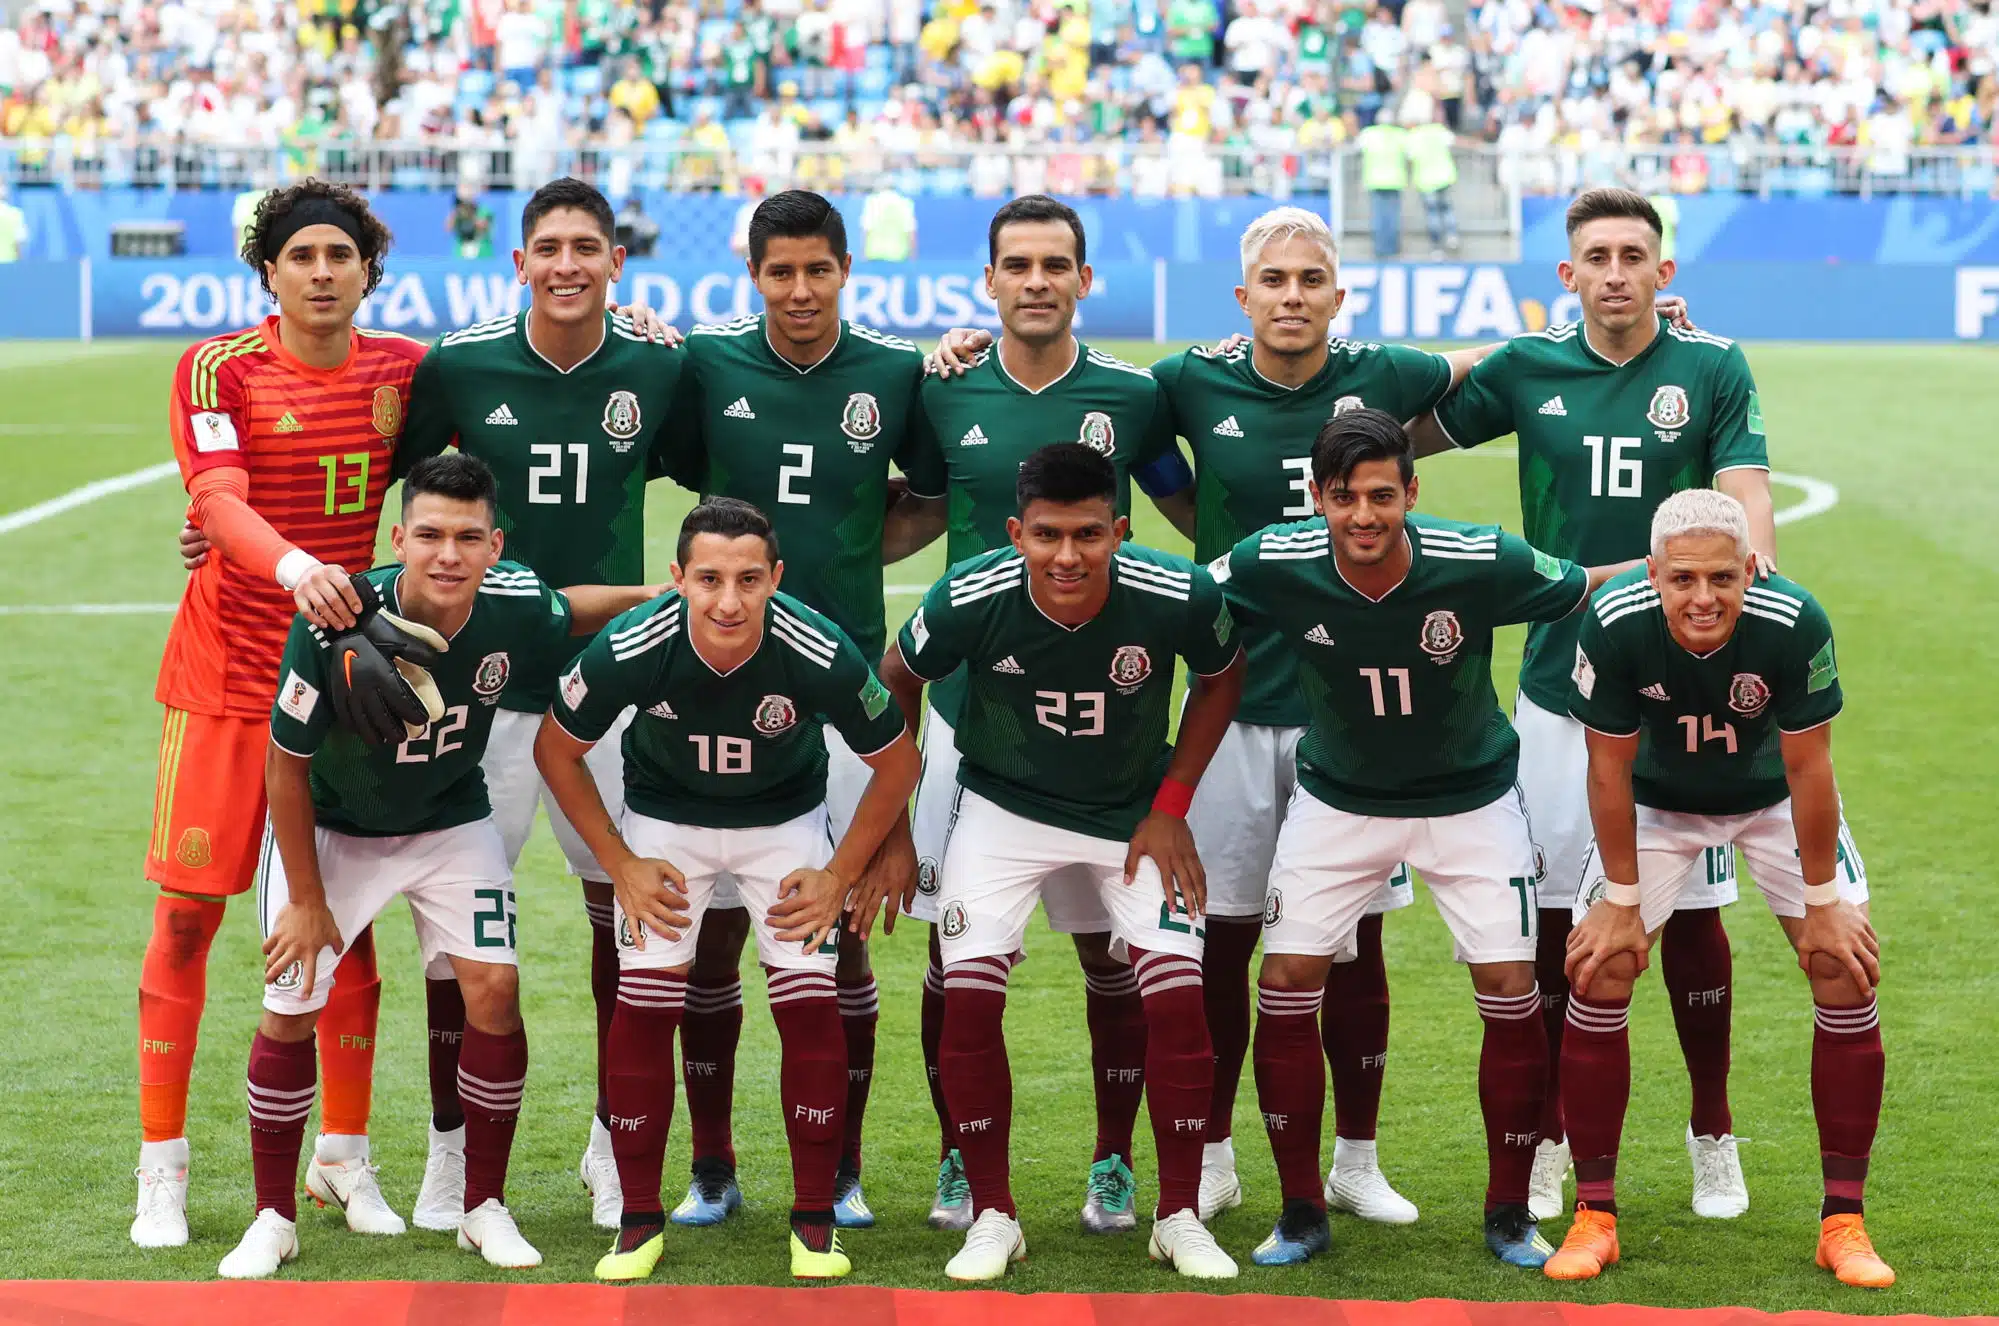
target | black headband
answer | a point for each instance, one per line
(312, 212)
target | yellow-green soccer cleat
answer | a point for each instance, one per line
(621, 1265)
(832, 1264)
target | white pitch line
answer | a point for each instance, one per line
(83, 609)
(1820, 497)
(90, 492)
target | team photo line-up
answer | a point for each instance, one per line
(744, 751)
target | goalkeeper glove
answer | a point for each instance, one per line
(381, 689)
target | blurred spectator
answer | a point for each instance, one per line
(635, 95)
(470, 225)
(1384, 173)
(636, 231)
(888, 225)
(13, 228)
(1433, 169)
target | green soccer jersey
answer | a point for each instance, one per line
(1709, 725)
(811, 447)
(735, 750)
(1252, 445)
(570, 451)
(1067, 725)
(986, 424)
(1601, 445)
(519, 628)
(1404, 721)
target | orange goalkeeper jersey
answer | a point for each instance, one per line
(317, 446)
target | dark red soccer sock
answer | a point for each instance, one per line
(978, 1084)
(281, 1079)
(933, 1041)
(603, 992)
(860, 1012)
(1698, 968)
(444, 1008)
(492, 1072)
(812, 1081)
(1512, 1078)
(639, 1076)
(1179, 1072)
(1596, 1079)
(1354, 1031)
(1551, 953)
(1847, 1068)
(1291, 1086)
(709, 1030)
(1225, 1001)
(1117, 1022)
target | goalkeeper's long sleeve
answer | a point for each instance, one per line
(220, 507)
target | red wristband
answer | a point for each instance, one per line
(1173, 798)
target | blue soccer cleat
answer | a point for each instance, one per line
(1300, 1235)
(1514, 1238)
(713, 1195)
(850, 1205)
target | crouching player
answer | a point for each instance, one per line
(1709, 699)
(356, 824)
(1068, 642)
(725, 773)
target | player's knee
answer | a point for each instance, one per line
(1503, 980)
(1093, 951)
(183, 928)
(492, 993)
(1831, 979)
(1617, 974)
(287, 1028)
(851, 965)
(1293, 971)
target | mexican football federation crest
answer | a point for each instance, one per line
(1345, 403)
(1130, 666)
(491, 677)
(861, 420)
(625, 933)
(953, 923)
(775, 714)
(621, 420)
(1668, 412)
(1442, 636)
(388, 411)
(291, 978)
(1273, 908)
(1097, 433)
(926, 877)
(1594, 894)
(194, 850)
(1748, 694)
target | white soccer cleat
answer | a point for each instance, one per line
(599, 1171)
(1221, 1190)
(1356, 1185)
(350, 1185)
(269, 1242)
(489, 1230)
(161, 1216)
(992, 1244)
(1184, 1243)
(1544, 1185)
(440, 1203)
(1719, 1190)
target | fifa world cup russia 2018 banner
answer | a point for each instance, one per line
(1158, 301)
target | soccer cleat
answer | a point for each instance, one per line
(599, 1171)
(1110, 1199)
(1512, 1236)
(1221, 1190)
(1184, 1243)
(953, 1208)
(489, 1230)
(160, 1219)
(350, 1185)
(992, 1244)
(1358, 1187)
(829, 1264)
(440, 1202)
(1588, 1247)
(269, 1242)
(1301, 1233)
(713, 1195)
(1719, 1190)
(850, 1204)
(1846, 1251)
(1544, 1185)
(624, 1264)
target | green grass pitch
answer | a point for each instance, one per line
(1905, 562)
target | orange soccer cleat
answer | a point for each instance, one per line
(1846, 1251)
(1590, 1245)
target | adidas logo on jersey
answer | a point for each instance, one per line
(1554, 405)
(502, 415)
(288, 424)
(661, 710)
(1228, 428)
(1009, 667)
(1656, 691)
(1318, 635)
(975, 438)
(740, 410)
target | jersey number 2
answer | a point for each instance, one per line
(438, 735)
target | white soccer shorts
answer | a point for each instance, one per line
(456, 881)
(1479, 866)
(515, 787)
(1554, 774)
(1238, 811)
(998, 864)
(756, 860)
(847, 777)
(1672, 848)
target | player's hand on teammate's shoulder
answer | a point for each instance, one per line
(649, 324)
(1673, 309)
(326, 595)
(808, 907)
(956, 350)
(1607, 930)
(1762, 565)
(1233, 341)
(1839, 933)
(301, 931)
(1170, 843)
(653, 895)
(193, 546)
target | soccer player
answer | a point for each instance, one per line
(800, 413)
(1408, 758)
(726, 774)
(1708, 699)
(1612, 415)
(285, 434)
(1068, 643)
(356, 825)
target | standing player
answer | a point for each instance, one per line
(1613, 414)
(1068, 641)
(286, 434)
(1708, 702)
(727, 774)
(1408, 758)
(355, 825)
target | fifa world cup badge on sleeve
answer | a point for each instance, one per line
(1585, 674)
(1824, 671)
(574, 688)
(299, 697)
(874, 697)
